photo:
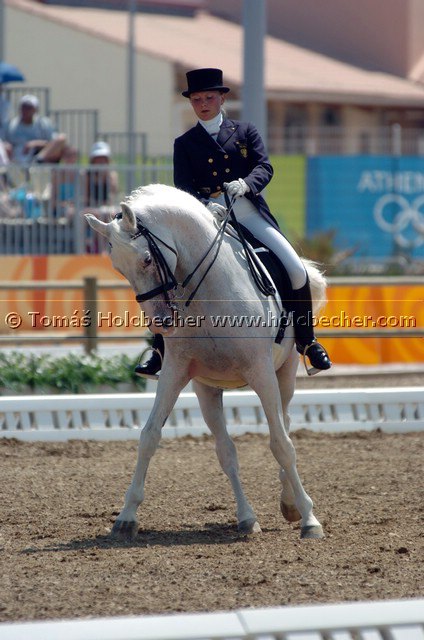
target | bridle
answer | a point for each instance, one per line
(168, 281)
(167, 278)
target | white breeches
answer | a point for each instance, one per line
(247, 215)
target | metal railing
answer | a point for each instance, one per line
(339, 140)
(90, 335)
(80, 126)
(14, 94)
(119, 144)
(41, 208)
(82, 129)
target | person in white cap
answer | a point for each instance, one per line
(102, 183)
(31, 137)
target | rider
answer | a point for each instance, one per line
(220, 153)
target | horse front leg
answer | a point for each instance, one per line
(210, 401)
(126, 525)
(264, 383)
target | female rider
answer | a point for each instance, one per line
(220, 153)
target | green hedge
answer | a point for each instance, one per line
(71, 373)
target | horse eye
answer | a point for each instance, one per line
(147, 258)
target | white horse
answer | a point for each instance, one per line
(163, 238)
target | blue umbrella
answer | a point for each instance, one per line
(10, 73)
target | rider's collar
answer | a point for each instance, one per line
(212, 126)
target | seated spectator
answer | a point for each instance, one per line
(64, 184)
(31, 137)
(102, 183)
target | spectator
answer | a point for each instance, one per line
(102, 183)
(65, 182)
(31, 137)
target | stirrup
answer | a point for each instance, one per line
(312, 371)
(150, 368)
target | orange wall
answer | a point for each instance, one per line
(34, 305)
(353, 303)
(389, 305)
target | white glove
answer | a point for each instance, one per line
(217, 210)
(236, 188)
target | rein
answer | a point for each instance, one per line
(167, 278)
(256, 267)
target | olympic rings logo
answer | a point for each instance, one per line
(407, 215)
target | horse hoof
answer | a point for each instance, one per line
(249, 526)
(290, 512)
(312, 532)
(124, 530)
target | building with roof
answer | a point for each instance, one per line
(316, 103)
(378, 35)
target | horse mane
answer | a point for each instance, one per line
(158, 197)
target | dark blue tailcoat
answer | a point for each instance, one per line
(202, 165)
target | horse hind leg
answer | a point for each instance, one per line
(265, 385)
(286, 376)
(210, 401)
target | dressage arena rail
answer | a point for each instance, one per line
(119, 416)
(390, 620)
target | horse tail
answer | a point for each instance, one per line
(318, 285)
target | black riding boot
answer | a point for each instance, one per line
(151, 368)
(306, 342)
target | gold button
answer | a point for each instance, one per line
(210, 160)
(226, 156)
(227, 171)
(215, 173)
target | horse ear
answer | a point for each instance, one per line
(98, 225)
(129, 222)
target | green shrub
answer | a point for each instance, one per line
(71, 373)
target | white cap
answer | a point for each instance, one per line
(30, 100)
(100, 148)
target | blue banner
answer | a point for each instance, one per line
(374, 204)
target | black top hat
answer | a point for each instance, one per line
(204, 80)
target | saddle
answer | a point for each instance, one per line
(279, 276)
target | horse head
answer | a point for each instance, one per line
(146, 260)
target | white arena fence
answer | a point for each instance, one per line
(120, 416)
(390, 620)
